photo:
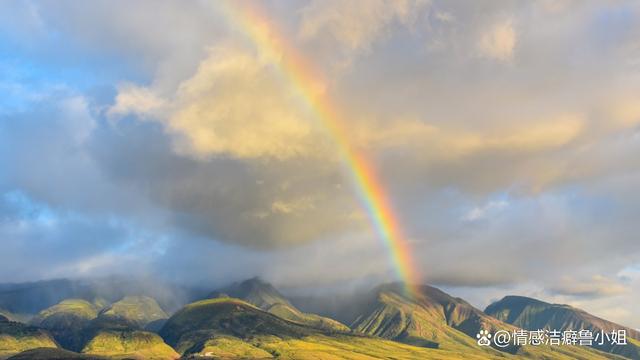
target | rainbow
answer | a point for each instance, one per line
(263, 33)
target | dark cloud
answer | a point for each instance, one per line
(249, 203)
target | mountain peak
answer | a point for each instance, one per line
(434, 319)
(255, 291)
(266, 297)
(533, 314)
(427, 294)
(515, 304)
(138, 310)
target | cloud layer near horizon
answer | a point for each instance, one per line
(505, 133)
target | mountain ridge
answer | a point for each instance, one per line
(534, 314)
(252, 318)
(266, 297)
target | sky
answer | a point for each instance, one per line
(157, 138)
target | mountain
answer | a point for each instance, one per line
(233, 329)
(17, 337)
(437, 320)
(533, 314)
(137, 310)
(434, 320)
(114, 332)
(118, 332)
(129, 344)
(120, 337)
(33, 297)
(262, 323)
(66, 321)
(266, 297)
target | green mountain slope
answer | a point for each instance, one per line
(436, 320)
(225, 316)
(66, 321)
(387, 324)
(129, 344)
(441, 321)
(16, 337)
(232, 328)
(532, 314)
(138, 310)
(119, 338)
(266, 297)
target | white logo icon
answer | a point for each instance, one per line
(483, 338)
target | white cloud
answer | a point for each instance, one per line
(499, 41)
(489, 209)
(356, 27)
(133, 99)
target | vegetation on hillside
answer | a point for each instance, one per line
(17, 337)
(129, 344)
(266, 297)
(532, 314)
(66, 321)
(389, 325)
(138, 310)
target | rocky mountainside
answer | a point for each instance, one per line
(532, 314)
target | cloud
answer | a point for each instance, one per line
(256, 168)
(34, 235)
(236, 104)
(254, 202)
(133, 99)
(596, 286)
(191, 152)
(499, 41)
(478, 213)
(352, 28)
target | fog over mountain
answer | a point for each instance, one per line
(167, 145)
(253, 319)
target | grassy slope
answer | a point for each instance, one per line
(120, 337)
(266, 297)
(129, 344)
(289, 312)
(534, 314)
(232, 328)
(67, 321)
(225, 316)
(437, 320)
(140, 310)
(16, 337)
(77, 307)
(444, 322)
